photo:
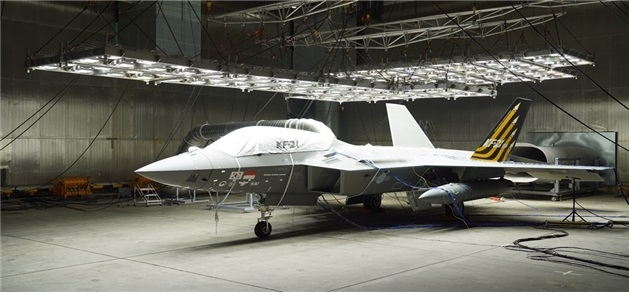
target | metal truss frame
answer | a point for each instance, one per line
(384, 36)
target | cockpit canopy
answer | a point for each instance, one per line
(254, 140)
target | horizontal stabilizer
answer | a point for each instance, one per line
(405, 132)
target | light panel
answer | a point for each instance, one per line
(445, 78)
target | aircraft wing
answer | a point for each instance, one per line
(401, 158)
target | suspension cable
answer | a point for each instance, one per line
(189, 104)
(88, 25)
(169, 28)
(58, 97)
(527, 84)
(562, 55)
(59, 32)
(93, 139)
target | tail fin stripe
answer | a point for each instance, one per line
(499, 132)
(498, 144)
(483, 152)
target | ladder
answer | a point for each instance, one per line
(148, 194)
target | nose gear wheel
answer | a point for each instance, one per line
(263, 227)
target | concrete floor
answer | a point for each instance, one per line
(183, 248)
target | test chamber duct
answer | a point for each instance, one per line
(567, 155)
(567, 148)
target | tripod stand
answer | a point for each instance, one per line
(574, 210)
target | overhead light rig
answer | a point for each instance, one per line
(449, 78)
(446, 78)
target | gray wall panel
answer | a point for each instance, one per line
(15, 112)
(25, 162)
(53, 158)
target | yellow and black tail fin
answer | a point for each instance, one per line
(498, 144)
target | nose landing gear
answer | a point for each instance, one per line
(263, 227)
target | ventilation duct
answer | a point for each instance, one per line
(568, 155)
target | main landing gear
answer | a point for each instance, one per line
(372, 202)
(263, 227)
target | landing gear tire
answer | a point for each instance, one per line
(372, 202)
(263, 229)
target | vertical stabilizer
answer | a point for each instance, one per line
(498, 144)
(405, 132)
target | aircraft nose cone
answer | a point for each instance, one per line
(436, 196)
(171, 171)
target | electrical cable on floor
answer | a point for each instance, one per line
(46, 202)
(95, 207)
(557, 213)
(326, 206)
(553, 254)
(527, 205)
(602, 217)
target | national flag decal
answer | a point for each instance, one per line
(249, 175)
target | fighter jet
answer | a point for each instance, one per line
(292, 167)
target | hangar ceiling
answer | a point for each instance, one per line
(448, 77)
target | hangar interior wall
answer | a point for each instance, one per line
(149, 122)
